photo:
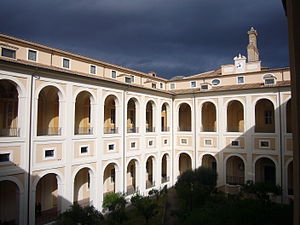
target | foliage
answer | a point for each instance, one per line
(116, 203)
(76, 214)
(146, 206)
(195, 187)
(261, 191)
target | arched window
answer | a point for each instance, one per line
(235, 116)
(264, 116)
(83, 113)
(185, 117)
(209, 117)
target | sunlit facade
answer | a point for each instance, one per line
(73, 128)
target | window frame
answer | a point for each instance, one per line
(113, 74)
(133, 142)
(243, 77)
(9, 49)
(172, 86)
(62, 63)
(235, 146)
(10, 160)
(193, 82)
(215, 80)
(187, 141)
(36, 55)
(208, 139)
(114, 147)
(49, 157)
(267, 141)
(91, 65)
(84, 153)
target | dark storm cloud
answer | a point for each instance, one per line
(171, 37)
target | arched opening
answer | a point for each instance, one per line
(150, 181)
(208, 161)
(46, 201)
(150, 117)
(131, 177)
(185, 163)
(82, 187)
(290, 178)
(110, 126)
(9, 203)
(165, 171)
(265, 171)
(164, 118)
(83, 113)
(8, 109)
(48, 112)
(235, 171)
(288, 117)
(109, 179)
(209, 117)
(235, 116)
(264, 116)
(185, 117)
(131, 116)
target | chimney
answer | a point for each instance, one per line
(253, 53)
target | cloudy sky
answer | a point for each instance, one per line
(170, 37)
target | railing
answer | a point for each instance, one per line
(234, 129)
(49, 131)
(184, 129)
(235, 180)
(165, 129)
(46, 216)
(132, 129)
(110, 130)
(149, 184)
(208, 129)
(9, 132)
(150, 129)
(83, 130)
(165, 179)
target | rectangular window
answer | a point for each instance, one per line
(32, 55)
(241, 80)
(153, 85)
(4, 157)
(132, 78)
(113, 74)
(172, 86)
(84, 149)
(93, 69)
(193, 84)
(204, 86)
(111, 147)
(128, 80)
(264, 144)
(165, 141)
(183, 141)
(8, 53)
(150, 143)
(66, 63)
(133, 145)
(207, 142)
(268, 117)
(235, 143)
(161, 85)
(269, 81)
(49, 153)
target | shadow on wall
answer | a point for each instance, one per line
(261, 162)
(45, 195)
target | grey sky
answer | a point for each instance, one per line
(170, 37)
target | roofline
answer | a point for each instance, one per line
(59, 51)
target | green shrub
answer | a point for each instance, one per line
(80, 215)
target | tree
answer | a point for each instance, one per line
(115, 202)
(195, 186)
(76, 214)
(146, 206)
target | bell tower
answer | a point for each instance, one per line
(252, 50)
